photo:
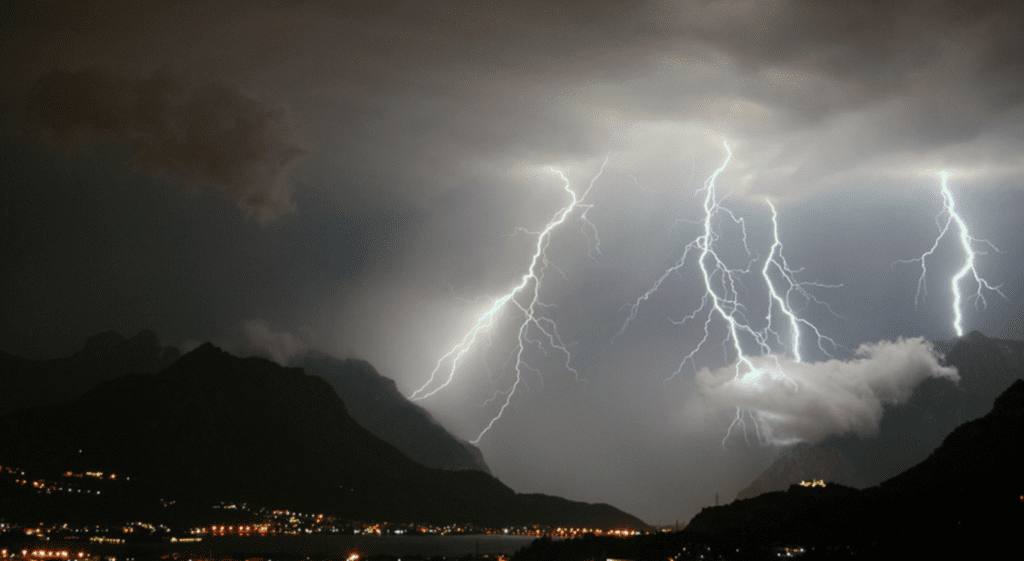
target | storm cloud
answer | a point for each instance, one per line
(208, 135)
(401, 154)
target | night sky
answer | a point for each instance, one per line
(368, 178)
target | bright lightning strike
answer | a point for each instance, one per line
(723, 301)
(524, 297)
(967, 244)
(776, 261)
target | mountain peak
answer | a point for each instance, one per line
(211, 361)
(103, 342)
(375, 403)
(205, 353)
(976, 336)
(103, 357)
(1011, 402)
(145, 338)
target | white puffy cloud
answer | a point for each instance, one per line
(794, 402)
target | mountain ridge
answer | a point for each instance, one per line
(375, 403)
(213, 426)
(27, 383)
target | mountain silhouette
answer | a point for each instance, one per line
(964, 497)
(376, 404)
(214, 427)
(27, 383)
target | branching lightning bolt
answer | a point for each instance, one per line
(722, 300)
(778, 262)
(525, 297)
(967, 244)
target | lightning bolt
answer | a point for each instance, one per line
(795, 289)
(967, 243)
(524, 297)
(722, 300)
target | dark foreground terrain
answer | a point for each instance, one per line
(211, 429)
(966, 500)
(909, 431)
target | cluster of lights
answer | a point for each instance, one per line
(43, 531)
(101, 534)
(622, 533)
(298, 514)
(562, 532)
(241, 530)
(50, 486)
(232, 506)
(371, 530)
(49, 553)
(44, 554)
(130, 527)
(94, 474)
(104, 539)
(573, 532)
(812, 483)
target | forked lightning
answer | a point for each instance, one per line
(524, 297)
(967, 244)
(722, 300)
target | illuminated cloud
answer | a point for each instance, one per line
(820, 399)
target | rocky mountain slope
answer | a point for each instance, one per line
(376, 404)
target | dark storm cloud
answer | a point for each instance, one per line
(213, 134)
(412, 98)
(822, 89)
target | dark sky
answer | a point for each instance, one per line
(368, 178)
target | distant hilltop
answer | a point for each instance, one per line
(910, 430)
(29, 383)
(964, 501)
(964, 497)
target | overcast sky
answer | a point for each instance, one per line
(368, 178)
